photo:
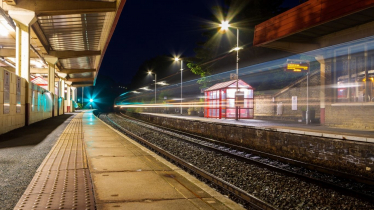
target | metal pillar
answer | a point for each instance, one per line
(51, 61)
(82, 97)
(68, 106)
(322, 95)
(62, 89)
(23, 20)
(307, 98)
(237, 109)
(181, 87)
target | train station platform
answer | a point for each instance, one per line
(286, 126)
(93, 166)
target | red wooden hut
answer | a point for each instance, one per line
(220, 100)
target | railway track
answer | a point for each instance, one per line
(343, 186)
(252, 201)
(284, 163)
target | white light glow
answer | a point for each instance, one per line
(144, 88)
(224, 25)
(162, 83)
(7, 26)
(236, 49)
(3, 30)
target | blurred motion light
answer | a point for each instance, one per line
(236, 49)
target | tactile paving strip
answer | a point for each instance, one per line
(62, 180)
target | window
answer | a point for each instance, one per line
(231, 93)
(350, 76)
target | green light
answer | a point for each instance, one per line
(91, 100)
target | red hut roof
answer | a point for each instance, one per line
(231, 83)
(40, 81)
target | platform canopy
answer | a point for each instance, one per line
(77, 32)
(306, 26)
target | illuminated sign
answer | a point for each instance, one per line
(296, 65)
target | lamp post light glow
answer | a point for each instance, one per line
(178, 59)
(91, 100)
(150, 73)
(224, 25)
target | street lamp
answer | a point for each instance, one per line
(150, 73)
(224, 27)
(178, 59)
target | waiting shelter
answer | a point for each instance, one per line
(220, 100)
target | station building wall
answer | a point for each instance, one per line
(266, 105)
(13, 119)
(41, 106)
(299, 89)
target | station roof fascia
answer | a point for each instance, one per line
(77, 32)
(307, 22)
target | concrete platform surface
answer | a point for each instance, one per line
(93, 166)
(22, 151)
(286, 126)
(126, 175)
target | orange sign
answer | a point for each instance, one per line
(297, 66)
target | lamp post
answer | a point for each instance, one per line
(82, 97)
(178, 59)
(150, 73)
(225, 26)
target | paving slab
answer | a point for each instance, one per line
(110, 152)
(132, 186)
(133, 163)
(107, 143)
(102, 138)
(180, 204)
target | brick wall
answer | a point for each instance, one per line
(355, 157)
(263, 105)
(355, 116)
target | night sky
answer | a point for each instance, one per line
(148, 28)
